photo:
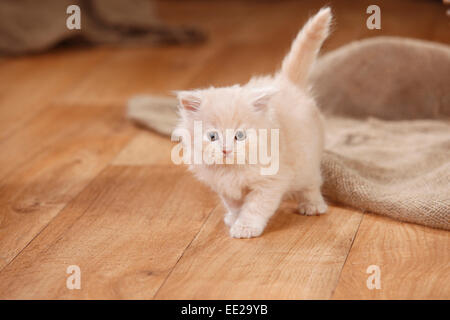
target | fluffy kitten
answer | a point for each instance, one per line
(279, 102)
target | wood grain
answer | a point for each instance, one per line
(29, 84)
(297, 257)
(146, 148)
(50, 163)
(135, 71)
(414, 261)
(125, 231)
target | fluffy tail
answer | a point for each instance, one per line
(298, 62)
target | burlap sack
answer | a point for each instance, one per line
(399, 168)
(31, 26)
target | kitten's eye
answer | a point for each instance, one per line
(240, 135)
(213, 135)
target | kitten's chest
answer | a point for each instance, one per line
(229, 183)
(233, 190)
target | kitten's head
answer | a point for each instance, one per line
(227, 116)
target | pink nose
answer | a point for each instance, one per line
(225, 151)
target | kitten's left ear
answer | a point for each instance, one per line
(261, 97)
(189, 100)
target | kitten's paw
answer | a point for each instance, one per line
(312, 208)
(230, 219)
(245, 230)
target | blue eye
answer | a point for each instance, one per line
(240, 135)
(213, 135)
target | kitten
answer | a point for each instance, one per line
(281, 102)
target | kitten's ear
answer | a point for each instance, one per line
(189, 100)
(261, 97)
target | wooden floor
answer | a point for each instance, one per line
(80, 185)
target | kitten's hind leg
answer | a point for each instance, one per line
(233, 206)
(312, 202)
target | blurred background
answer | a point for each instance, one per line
(141, 46)
(235, 38)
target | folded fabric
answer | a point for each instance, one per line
(28, 26)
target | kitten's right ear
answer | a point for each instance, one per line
(261, 97)
(189, 100)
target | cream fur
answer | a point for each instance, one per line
(278, 102)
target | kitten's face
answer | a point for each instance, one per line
(228, 118)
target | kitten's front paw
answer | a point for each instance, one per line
(245, 230)
(312, 208)
(230, 218)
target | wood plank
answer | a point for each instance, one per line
(297, 257)
(125, 231)
(133, 71)
(63, 157)
(29, 84)
(55, 127)
(413, 260)
(146, 148)
(89, 77)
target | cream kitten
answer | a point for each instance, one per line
(279, 102)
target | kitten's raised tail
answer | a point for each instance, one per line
(298, 62)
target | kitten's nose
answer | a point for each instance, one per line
(225, 151)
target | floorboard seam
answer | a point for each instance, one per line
(59, 212)
(348, 253)
(185, 249)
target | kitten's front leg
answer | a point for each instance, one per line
(258, 207)
(233, 207)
